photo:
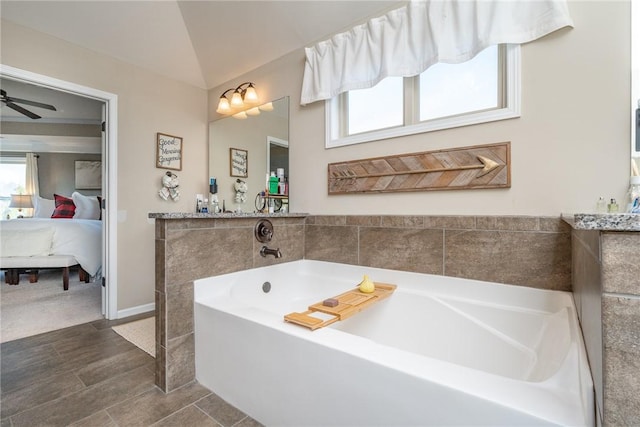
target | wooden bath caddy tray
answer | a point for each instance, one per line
(349, 303)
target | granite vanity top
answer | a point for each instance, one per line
(604, 221)
(194, 215)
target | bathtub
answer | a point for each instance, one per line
(438, 351)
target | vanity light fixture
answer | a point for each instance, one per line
(244, 96)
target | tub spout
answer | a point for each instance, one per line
(266, 251)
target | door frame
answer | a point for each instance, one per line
(110, 176)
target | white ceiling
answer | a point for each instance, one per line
(204, 43)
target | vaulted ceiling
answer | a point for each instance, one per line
(204, 43)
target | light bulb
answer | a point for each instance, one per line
(266, 107)
(250, 96)
(236, 99)
(241, 115)
(223, 106)
(253, 111)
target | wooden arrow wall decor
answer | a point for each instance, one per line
(480, 166)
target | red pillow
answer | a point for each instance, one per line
(64, 207)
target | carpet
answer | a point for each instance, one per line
(142, 333)
(33, 308)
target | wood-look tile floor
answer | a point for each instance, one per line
(87, 375)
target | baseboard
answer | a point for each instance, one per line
(136, 310)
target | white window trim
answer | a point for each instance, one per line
(510, 111)
(13, 160)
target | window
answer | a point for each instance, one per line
(444, 96)
(12, 181)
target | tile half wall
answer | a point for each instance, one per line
(518, 250)
(526, 251)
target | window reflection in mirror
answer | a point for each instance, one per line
(252, 135)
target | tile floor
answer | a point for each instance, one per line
(87, 375)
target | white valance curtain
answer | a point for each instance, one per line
(408, 40)
(32, 185)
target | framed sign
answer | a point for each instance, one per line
(88, 175)
(239, 162)
(169, 152)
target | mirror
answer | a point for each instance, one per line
(248, 150)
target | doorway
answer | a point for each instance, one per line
(109, 173)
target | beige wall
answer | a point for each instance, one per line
(147, 103)
(569, 147)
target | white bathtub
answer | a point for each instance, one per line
(439, 351)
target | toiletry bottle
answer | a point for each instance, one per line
(613, 206)
(601, 205)
(633, 194)
(273, 183)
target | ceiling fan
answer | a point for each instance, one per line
(12, 103)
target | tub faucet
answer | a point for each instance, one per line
(266, 251)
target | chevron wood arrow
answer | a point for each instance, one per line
(487, 166)
(483, 166)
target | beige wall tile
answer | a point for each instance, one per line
(365, 220)
(416, 250)
(402, 221)
(541, 260)
(620, 262)
(194, 254)
(587, 294)
(326, 220)
(179, 310)
(621, 330)
(554, 224)
(452, 222)
(331, 243)
(181, 365)
(512, 223)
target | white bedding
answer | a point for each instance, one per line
(81, 238)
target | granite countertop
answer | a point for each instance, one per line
(603, 221)
(194, 215)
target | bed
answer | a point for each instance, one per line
(81, 238)
(32, 243)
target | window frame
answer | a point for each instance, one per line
(511, 97)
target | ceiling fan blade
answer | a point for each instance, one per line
(32, 103)
(21, 110)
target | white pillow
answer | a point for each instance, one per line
(35, 242)
(86, 207)
(44, 207)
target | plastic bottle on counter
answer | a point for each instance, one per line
(633, 195)
(273, 183)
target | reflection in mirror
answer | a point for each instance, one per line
(265, 138)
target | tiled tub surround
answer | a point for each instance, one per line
(194, 248)
(606, 284)
(527, 251)
(519, 250)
